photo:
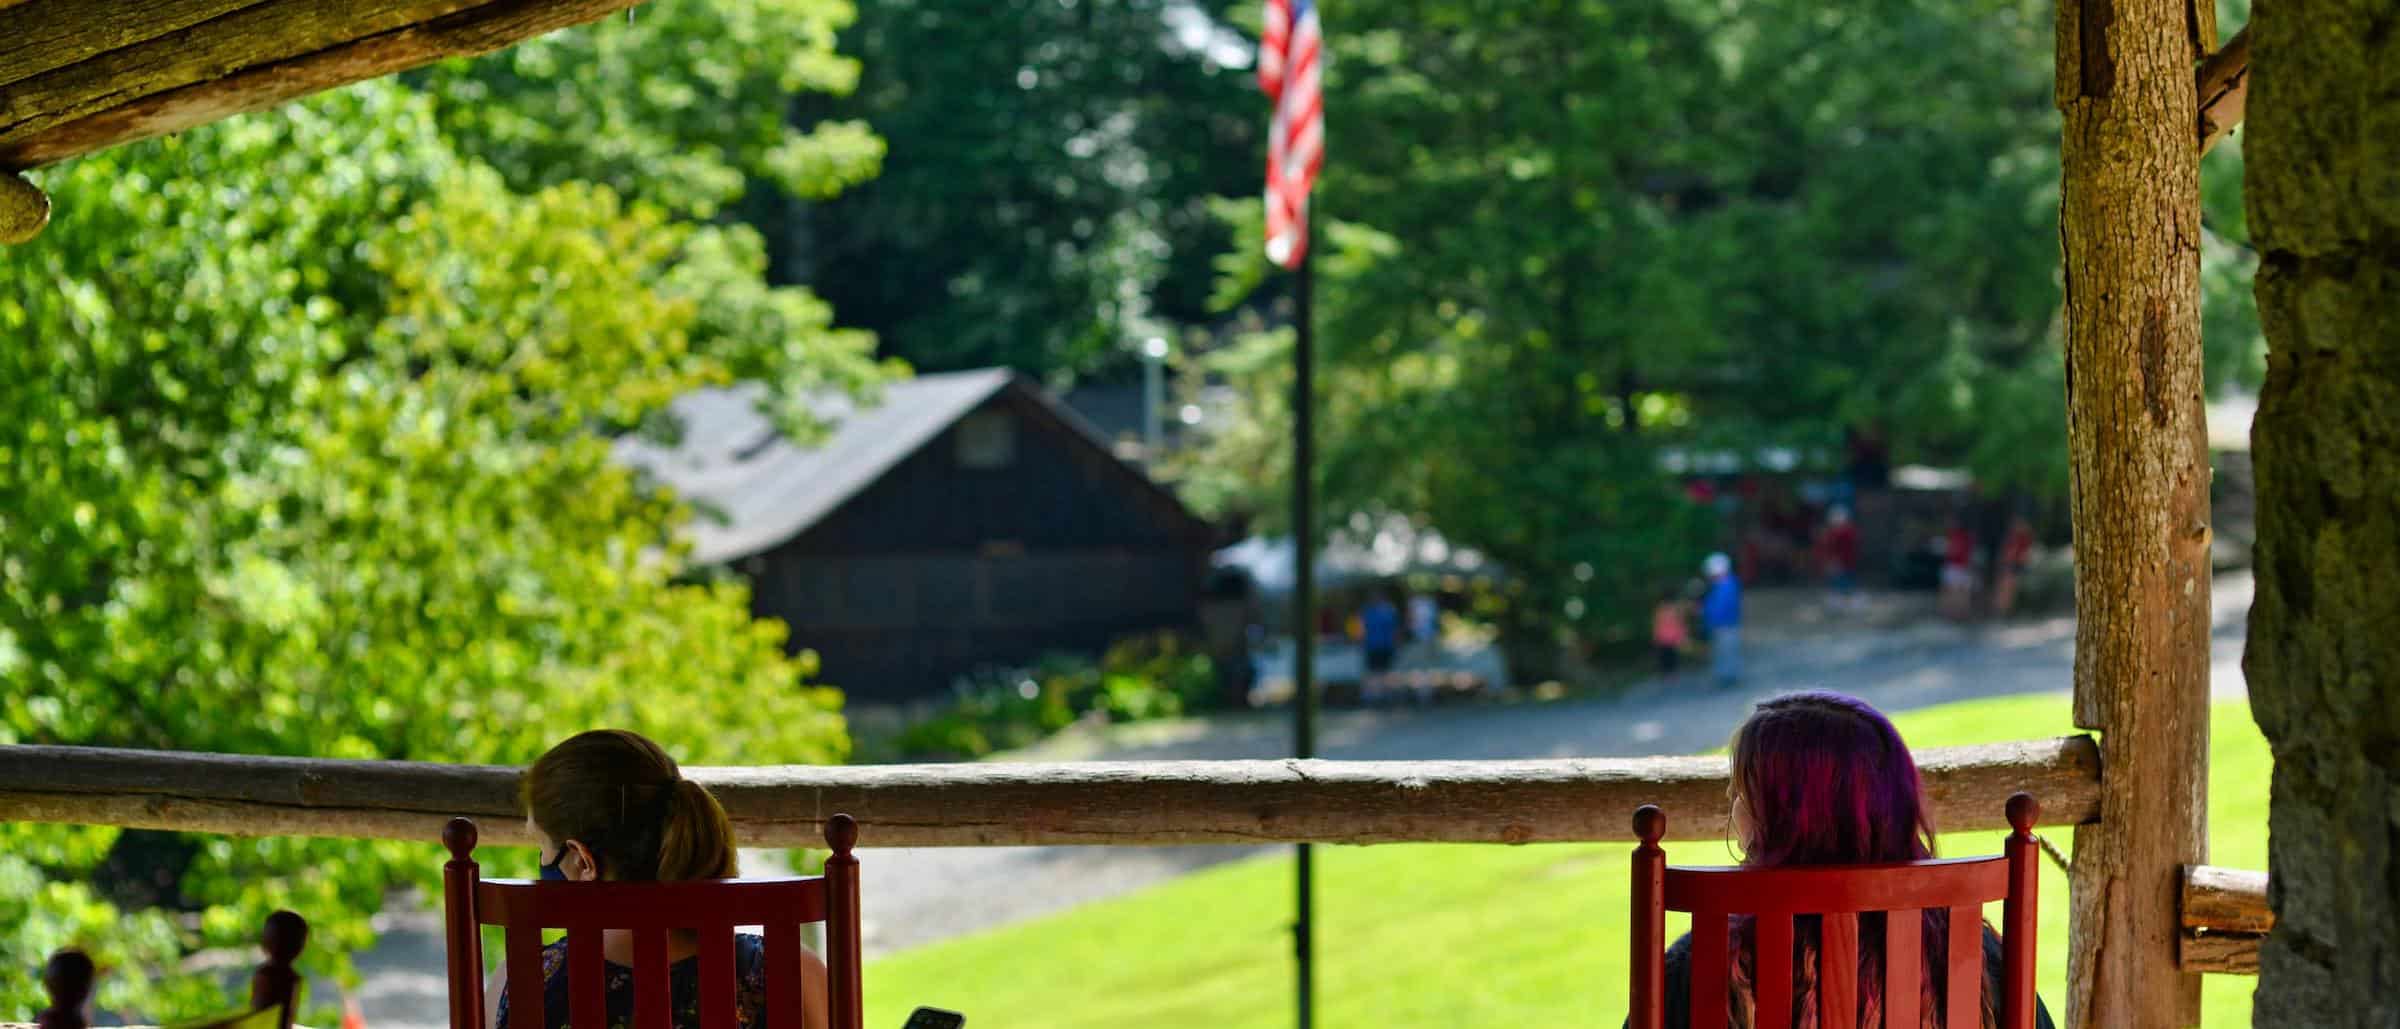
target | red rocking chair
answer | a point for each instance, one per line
(650, 910)
(1837, 895)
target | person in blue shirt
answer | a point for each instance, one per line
(1721, 615)
(1379, 634)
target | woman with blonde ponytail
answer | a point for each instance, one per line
(610, 804)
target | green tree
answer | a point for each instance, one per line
(1567, 235)
(687, 106)
(305, 452)
(1604, 230)
(1044, 200)
(693, 108)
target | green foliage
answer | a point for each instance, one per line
(683, 105)
(1140, 678)
(1558, 237)
(1044, 200)
(306, 445)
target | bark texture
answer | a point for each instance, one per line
(2324, 653)
(2130, 231)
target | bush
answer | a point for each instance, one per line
(1159, 675)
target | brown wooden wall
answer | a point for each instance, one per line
(940, 567)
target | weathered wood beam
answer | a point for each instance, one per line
(476, 30)
(2225, 919)
(40, 35)
(2232, 900)
(1011, 804)
(260, 34)
(24, 209)
(2224, 89)
(2129, 235)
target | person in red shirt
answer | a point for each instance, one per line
(1670, 632)
(1958, 571)
(2016, 553)
(1837, 547)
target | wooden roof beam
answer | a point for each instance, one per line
(23, 209)
(393, 44)
(2224, 89)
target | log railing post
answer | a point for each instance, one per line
(2129, 228)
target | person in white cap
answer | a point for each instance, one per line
(1721, 615)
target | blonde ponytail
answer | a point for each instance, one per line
(697, 840)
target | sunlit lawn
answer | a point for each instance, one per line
(1446, 935)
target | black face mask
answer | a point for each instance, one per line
(551, 872)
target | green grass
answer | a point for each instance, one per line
(1447, 935)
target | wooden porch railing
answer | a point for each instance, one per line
(1012, 804)
(1095, 803)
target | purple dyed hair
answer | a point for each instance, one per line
(1826, 780)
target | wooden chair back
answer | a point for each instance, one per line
(650, 910)
(274, 987)
(1835, 896)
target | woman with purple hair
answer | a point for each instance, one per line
(1822, 778)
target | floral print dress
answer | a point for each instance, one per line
(749, 987)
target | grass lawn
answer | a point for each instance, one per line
(1448, 935)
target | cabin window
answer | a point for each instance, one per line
(987, 440)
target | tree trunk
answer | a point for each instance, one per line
(2130, 232)
(2323, 669)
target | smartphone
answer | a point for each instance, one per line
(935, 1018)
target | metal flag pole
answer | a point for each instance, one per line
(1304, 591)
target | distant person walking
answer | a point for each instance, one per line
(1379, 636)
(1721, 614)
(2016, 555)
(1228, 613)
(1839, 548)
(1424, 621)
(1958, 571)
(1670, 632)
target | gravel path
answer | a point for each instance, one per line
(918, 895)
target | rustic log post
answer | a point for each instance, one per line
(2322, 664)
(2129, 227)
(24, 209)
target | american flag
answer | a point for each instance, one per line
(1289, 59)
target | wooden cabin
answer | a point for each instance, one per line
(965, 520)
